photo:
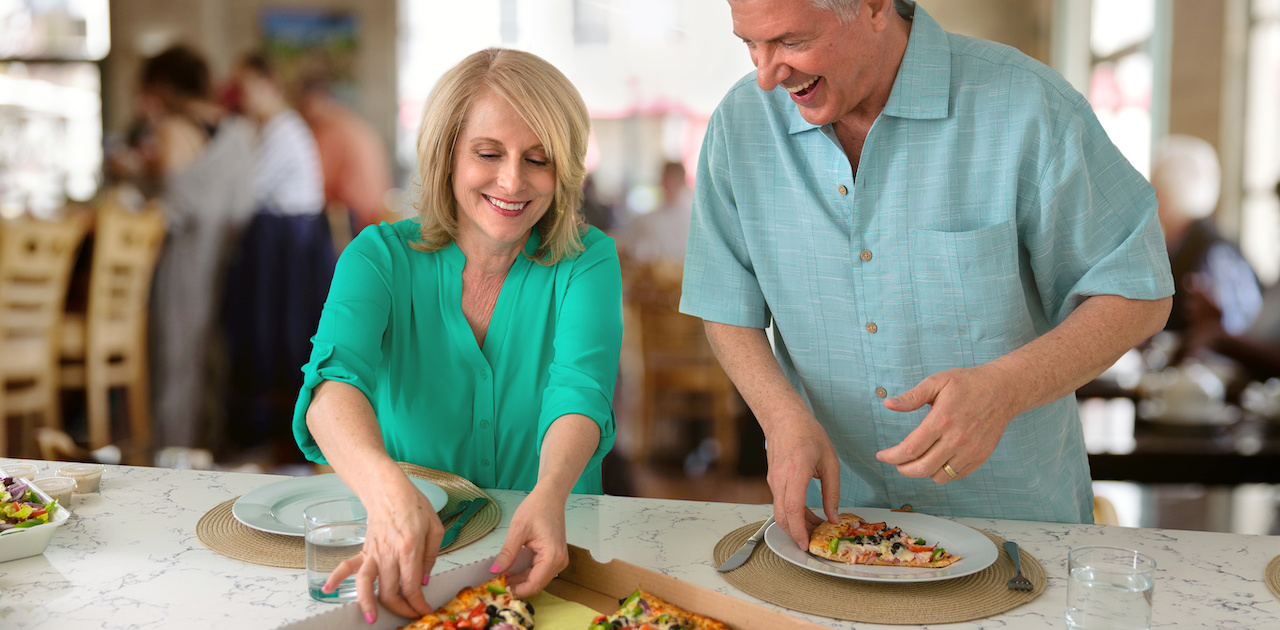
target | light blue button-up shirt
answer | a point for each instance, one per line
(988, 204)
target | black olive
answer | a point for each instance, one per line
(491, 610)
(897, 546)
(530, 608)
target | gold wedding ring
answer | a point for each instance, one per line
(950, 471)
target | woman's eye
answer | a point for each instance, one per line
(488, 156)
(537, 161)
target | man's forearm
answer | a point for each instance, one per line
(747, 358)
(1092, 338)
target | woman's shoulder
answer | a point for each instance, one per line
(390, 241)
(596, 245)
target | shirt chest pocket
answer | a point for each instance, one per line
(969, 293)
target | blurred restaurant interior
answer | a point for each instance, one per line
(1176, 439)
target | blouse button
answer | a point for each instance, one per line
(871, 328)
(484, 424)
(484, 462)
(866, 255)
(843, 190)
(880, 391)
(484, 375)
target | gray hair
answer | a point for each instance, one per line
(845, 10)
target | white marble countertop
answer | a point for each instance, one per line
(129, 558)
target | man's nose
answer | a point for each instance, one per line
(769, 70)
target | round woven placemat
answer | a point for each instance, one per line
(219, 530)
(975, 596)
(1272, 576)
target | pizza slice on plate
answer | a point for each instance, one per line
(644, 611)
(855, 541)
(489, 605)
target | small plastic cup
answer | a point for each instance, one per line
(88, 477)
(16, 469)
(58, 488)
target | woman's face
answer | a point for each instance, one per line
(503, 180)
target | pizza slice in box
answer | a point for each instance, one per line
(855, 541)
(489, 605)
(644, 611)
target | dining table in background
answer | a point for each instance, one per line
(129, 557)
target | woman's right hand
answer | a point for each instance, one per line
(400, 547)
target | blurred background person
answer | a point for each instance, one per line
(1187, 180)
(595, 210)
(203, 158)
(353, 157)
(662, 234)
(279, 277)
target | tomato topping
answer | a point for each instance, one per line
(918, 548)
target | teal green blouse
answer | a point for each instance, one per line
(393, 327)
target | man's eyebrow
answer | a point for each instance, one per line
(786, 35)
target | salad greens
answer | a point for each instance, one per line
(20, 506)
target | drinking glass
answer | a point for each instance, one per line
(335, 531)
(1109, 588)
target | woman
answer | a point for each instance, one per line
(203, 159)
(481, 339)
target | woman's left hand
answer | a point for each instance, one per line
(539, 525)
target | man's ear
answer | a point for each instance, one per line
(881, 12)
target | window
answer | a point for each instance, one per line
(1260, 218)
(1123, 75)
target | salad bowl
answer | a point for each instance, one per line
(24, 542)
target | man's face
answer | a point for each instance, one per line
(823, 63)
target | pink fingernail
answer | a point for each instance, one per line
(425, 579)
(326, 588)
(494, 568)
(368, 618)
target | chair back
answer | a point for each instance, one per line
(35, 271)
(126, 246)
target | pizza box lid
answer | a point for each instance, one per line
(594, 584)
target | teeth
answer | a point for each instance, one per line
(802, 86)
(504, 205)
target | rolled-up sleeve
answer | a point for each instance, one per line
(347, 345)
(1092, 229)
(719, 282)
(588, 340)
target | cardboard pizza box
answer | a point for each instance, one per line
(596, 585)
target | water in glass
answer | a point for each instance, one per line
(1098, 599)
(327, 547)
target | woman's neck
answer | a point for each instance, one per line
(489, 260)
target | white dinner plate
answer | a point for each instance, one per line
(976, 551)
(277, 508)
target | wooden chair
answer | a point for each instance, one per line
(667, 357)
(106, 347)
(35, 270)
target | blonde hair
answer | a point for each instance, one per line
(547, 102)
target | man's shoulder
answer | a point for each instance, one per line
(978, 62)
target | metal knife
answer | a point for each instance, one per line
(740, 556)
(452, 533)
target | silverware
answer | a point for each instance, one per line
(472, 509)
(1017, 582)
(740, 556)
(444, 518)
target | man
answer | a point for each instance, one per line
(352, 155)
(660, 236)
(946, 244)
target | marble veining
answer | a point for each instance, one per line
(129, 558)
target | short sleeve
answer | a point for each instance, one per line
(588, 341)
(719, 282)
(1091, 227)
(347, 345)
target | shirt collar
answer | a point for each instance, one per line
(454, 255)
(922, 88)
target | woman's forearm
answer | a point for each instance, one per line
(566, 448)
(345, 428)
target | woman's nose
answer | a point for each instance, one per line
(511, 175)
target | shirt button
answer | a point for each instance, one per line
(843, 190)
(484, 462)
(484, 375)
(880, 391)
(871, 328)
(484, 424)
(866, 255)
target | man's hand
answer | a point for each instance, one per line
(969, 411)
(798, 452)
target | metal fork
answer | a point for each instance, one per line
(1017, 582)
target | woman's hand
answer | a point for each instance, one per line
(539, 525)
(400, 547)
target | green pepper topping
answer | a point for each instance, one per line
(937, 553)
(835, 544)
(495, 589)
(919, 541)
